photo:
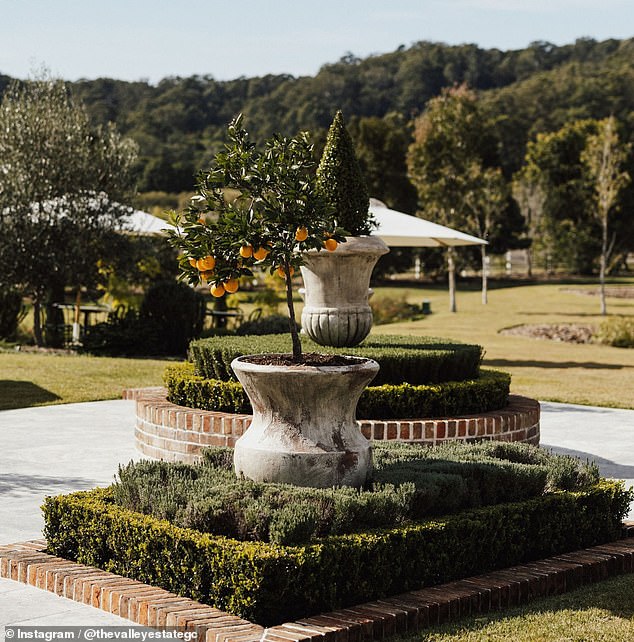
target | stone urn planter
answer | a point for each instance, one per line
(336, 288)
(303, 430)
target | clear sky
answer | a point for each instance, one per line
(152, 39)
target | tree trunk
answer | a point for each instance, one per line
(529, 263)
(292, 325)
(37, 322)
(451, 265)
(76, 335)
(485, 275)
(603, 262)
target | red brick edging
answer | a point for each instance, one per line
(401, 614)
(176, 433)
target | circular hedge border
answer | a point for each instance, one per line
(403, 359)
(487, 392)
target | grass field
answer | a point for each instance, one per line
(30, 379)
(588, 374)
(594, 613)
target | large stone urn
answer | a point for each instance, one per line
(303, 430)
(336, 287)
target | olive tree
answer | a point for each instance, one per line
(63, 190)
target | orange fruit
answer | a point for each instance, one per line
(217, 290)
(330, 245)
(192, 261)
(280, 272)
(206, 275)
(206, 263)
(246, 251)
(261, 253)
(301, 234)
(231, 286)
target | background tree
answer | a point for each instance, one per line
(381, 147)
(486, 200)
(63, 191)
(570, 233)
(529, 195)
(451, 137)
(604, 157)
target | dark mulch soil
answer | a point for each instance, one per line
(308, 359)
(568, 332)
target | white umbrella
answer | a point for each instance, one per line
(145, 224)
(402, 230)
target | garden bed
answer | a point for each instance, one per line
(270, 583)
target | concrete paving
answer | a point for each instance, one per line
(603, 435)
(58, 449)
(49, 451)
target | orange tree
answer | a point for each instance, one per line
(254, 208)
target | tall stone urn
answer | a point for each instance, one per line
(304, 430)
(336, 287)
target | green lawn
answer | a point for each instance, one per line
(599, 612)
(31, 379)
(586, 374)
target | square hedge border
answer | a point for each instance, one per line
(271, 584)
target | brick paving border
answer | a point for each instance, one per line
(400, 614)
(177, 433)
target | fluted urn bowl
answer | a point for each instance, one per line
(336, 287)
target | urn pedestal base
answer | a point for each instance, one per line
(304, 430)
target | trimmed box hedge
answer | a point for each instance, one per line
(415, 360)
(489, 391)
(270, 584)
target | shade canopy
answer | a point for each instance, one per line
(145, 224)
(402, 230)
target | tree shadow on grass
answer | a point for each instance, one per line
(23, 394)
(529, 363)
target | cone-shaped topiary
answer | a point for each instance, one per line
(340, 181)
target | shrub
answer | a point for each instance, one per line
(11, 312)
(179, 312)
(617, 332)
(185, 388)
(409, 483)
(416, 360)
(388, 309)
(170, 316)
(272, 324)
(404, 401)
(123, 334)
(341, 182)
(270, 584)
